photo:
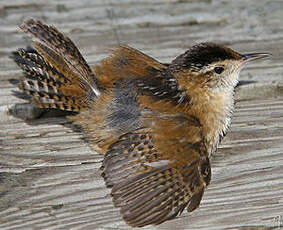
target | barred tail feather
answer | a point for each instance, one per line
(57, 76)
(49, 96)
(47, 86)
(48, 38)
(35, 67)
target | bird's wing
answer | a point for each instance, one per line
(157, 172)
(126, 62)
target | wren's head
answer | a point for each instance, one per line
(213, 66)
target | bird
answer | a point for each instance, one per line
(156, 124)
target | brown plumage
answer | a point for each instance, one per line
(157, 124)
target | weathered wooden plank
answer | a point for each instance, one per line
(49, 177)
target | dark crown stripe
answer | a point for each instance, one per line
(204, 54)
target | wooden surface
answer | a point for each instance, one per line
(49, 177)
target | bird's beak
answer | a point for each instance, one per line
(254, 56)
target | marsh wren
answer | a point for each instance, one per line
(156, 124)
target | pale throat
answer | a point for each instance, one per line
(219, 107)
(214, 110)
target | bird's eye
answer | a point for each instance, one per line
(218, 69)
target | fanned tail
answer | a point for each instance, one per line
(57, 76)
